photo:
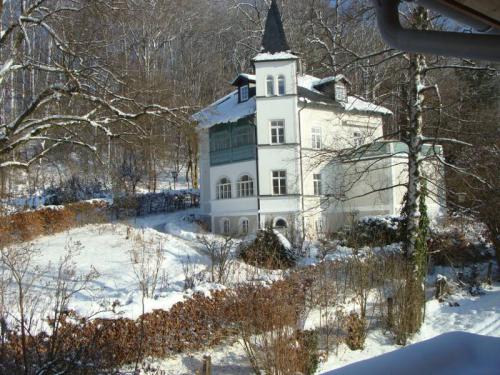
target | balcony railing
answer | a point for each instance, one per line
(233, 155)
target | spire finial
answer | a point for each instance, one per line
(274, 39)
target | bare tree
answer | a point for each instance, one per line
(220, 252)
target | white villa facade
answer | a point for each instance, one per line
(269, 151)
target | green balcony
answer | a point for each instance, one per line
(233, 155)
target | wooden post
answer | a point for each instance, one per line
(207, 365)
(390, 313)
(489, 277)
(440, 287)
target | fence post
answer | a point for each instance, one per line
(489, 277)
(440, 287)
(390, 313)
(207, 365)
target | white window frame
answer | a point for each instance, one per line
(281, 178)
(270, 86)
(358, 139)
(319, 226)
(281, 85)
(244, 226)
(340, 92)
(226, 226)
(277, 132)
(223, 190)
(244, 93)
(317, 184)
(317, 143)
(245, 187)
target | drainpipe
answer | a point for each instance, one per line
(301, 166)
(465, 45)
(257, 175)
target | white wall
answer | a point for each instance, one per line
(235, 205)
(338, 127)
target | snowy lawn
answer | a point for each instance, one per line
(480, 315)
(106, 248)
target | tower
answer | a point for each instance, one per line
(278, 135)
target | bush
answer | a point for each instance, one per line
(267, 251)
(28, 225)
(356, 331)
(451, 248)
(376, 231)
(74, 189)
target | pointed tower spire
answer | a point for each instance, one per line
(274, 39)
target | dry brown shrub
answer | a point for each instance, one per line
(28, 225)
(25, 226)
(56, 220)
(356, 331)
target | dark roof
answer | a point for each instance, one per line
(314, 97)
(274, 39)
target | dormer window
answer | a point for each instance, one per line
(244, 93)
(281, 85)
(270, 85)
(340, 92)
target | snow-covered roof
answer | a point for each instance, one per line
(337, 78)
(248, 77)
(354, 103)
(265, 56)
(228, 109)
(225, 110)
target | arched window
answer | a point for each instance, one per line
(224, 188)
(281, 85)
(270, 85)
(280, 224)
(226, 226)
(244, 225)
(245, 186)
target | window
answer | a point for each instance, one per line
(277, 132)
(340, 92)
(226, 226)
(279, 182)
(280, 224)
(357, 139)
(220, 141)
(244, 226)
(243, 93)
(270, 85)
(281, 85)
(318, 188)
(318, 226)
(316, 138)
(243, 136)
(245, 186)
(224, 189)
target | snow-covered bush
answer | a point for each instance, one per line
(74, 189)
(376, 231)
(268, 250)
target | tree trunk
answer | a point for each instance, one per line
(414, 293)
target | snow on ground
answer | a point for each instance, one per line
(107, 247)
(454, 353)
(480, 315)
